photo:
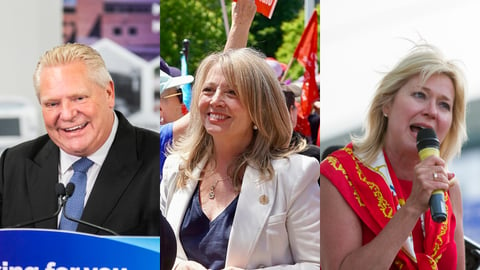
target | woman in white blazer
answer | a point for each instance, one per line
(236, 194)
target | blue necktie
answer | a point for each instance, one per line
(74, 206)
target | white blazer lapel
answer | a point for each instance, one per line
(179, 204)
(253, 209)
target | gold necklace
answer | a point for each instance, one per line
(211, 193)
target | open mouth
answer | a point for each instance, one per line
(75, 128)
(417, 128)
(214, 116)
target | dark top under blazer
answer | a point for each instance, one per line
(125, 197)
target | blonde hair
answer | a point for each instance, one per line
(70, 53)
(423, 60)
(259, 91)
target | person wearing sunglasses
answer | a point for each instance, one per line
(171, 98)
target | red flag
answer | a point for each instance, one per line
(265, 7)
(303, 125)
(306, 54)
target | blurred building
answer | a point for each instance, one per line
(126, 34)
(129, 23)
(134, 79)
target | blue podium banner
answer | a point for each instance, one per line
(38, 249)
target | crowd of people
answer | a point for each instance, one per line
(239, 130)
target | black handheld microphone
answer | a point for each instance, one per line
(69, 191)
(429, 145)
(61, 194)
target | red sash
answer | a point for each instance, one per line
(366, 191)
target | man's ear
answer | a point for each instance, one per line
(110, 92)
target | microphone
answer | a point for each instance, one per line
(69, 191)
(61, 194)
(429, 145)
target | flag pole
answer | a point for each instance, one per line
(307, 20)
(186, 88)
(225, 17)
(286, 70)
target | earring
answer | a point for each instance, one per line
(384, 114)
(255, 127)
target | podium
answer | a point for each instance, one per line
(43, 249)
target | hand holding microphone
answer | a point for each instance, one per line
(429, 145)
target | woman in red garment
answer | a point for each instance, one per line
(375, 191)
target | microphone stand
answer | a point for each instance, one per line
(70, 188)
(62, 198)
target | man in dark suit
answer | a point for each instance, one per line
(76, 95)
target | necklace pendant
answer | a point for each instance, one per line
(211, 194)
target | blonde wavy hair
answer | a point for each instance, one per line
(260, 92)
(424, 60)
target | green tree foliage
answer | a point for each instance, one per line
(292, 31)
(201, 22)
(267, 33)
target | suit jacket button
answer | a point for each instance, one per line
(263, 199)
